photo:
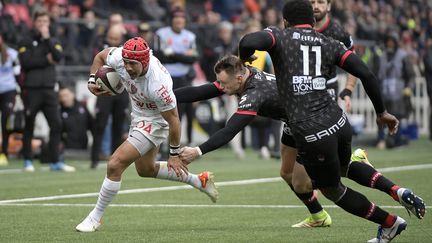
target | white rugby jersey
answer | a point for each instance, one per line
(150, 94)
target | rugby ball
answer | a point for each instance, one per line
(109, 80)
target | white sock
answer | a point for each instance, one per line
(107, 193)
(164, 174)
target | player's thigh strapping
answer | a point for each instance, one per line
(140, 142)
(144, 135)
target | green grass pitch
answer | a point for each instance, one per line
(254, 212)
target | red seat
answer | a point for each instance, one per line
(74, 10)
(10, 9)
(24, 14)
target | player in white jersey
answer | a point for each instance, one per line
(154, 118)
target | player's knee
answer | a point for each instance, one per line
(302, 186)
(148, 170)
(333, 193)
(286, 175)
(114, 166)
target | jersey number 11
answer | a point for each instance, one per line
(317, 50)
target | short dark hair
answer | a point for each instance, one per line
(298, 12)
(40, 14)
(230, 64)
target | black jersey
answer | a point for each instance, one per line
(260, 96)
(303, 60)
(334, 30)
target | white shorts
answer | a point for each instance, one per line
(153, 131)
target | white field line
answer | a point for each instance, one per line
(172, 205)
(173, 188)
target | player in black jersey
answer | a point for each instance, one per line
(303, 59)
(325, 25)
(328, 27)
(257, 93)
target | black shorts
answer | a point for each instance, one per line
(323, 153)
(287, 138)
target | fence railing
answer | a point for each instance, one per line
(362, 106)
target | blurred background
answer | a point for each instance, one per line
(85, 27)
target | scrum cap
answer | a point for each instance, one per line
(137, 49)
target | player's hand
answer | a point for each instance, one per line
(388, 119)
(348, 104)
(174, 163)
(97, 90)
(345, 95)
(250, 59)
(188, 154)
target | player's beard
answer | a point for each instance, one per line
(319, 16)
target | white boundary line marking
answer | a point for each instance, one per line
(173, 188)
(174, 205)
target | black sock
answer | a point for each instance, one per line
(357, 204)
(367, 176)
(309, 200)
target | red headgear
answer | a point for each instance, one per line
(137, 49)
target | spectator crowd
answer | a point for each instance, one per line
(212, 29)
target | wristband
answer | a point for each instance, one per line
(174, 150)
(345, 92)
(199, 151)
(92, 79)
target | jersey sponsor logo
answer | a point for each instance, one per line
(243, 99)
(137, 102)
(164, 93)
(344, 46)
(296, 36)
(150, 106)
(133, 88)
(319, 83)
(302, 84)
(269, 76)
(306, 84)
(244, 106)
(145, 105)
(287, 130)
(327, 132)
(310, 38)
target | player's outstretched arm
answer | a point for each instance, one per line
(190, 94)
(346, 93)
(354, 65)
(234, 125)
(261, 40)
(174, 162)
